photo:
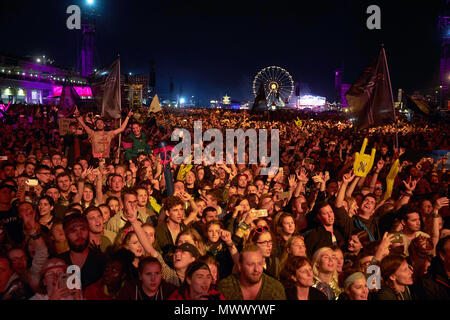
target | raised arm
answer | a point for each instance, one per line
(302, 181)
(124, 124)
(435, 232)
(99, 186)
(404, 198)
(352, 187)
(373, 182)
(187, 197)
(226, 237)
(80, 187)
(80, 120)
(131, 215)
(346, 179)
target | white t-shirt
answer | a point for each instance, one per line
(407, 242)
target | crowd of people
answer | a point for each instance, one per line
(140, 227)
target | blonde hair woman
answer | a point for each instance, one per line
(325, 274)
(190, 235)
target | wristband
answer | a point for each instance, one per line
(244, 226)
(435, 215)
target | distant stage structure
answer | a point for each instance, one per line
(278, 86)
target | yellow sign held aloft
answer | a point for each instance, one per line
(363, 162)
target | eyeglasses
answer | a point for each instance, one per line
(45, 173)
(265, 243)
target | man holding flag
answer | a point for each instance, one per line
(101, 139)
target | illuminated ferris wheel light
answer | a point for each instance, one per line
(278, 85)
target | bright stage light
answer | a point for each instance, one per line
(90, 2)
(182, 100)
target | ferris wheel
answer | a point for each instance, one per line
(278, 86)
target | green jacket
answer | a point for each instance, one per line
(135, 145)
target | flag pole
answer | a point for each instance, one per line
(120, 113)
(392, 97)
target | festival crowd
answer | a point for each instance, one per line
(139, 227)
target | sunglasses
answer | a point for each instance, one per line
(261, 229)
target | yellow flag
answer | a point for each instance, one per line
(155, 106)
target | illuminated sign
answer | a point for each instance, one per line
(309, 100)
(82, 91)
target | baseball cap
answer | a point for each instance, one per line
(74, 220)
(3, 184)
(52, 264)
(189, 248)
(242, 174)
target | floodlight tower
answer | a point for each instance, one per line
(88, 41)
(444, 28)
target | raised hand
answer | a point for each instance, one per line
(441, 202)
(318, 179)
(250, 217)
(348, 177)
(410, 185)
(301, 176)
(326, 176)
(76, 113)
(291, 181)
(59, 293)
(184, 196)
(272, 173)
(86, 172)
(133, 167)
(363, 162)
(130, 212)
(226, 237)
(380, 165)
(383, 248)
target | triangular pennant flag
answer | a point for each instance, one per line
(155, 106)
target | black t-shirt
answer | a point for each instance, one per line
(10, 219)
(314, 294)
(92, 269)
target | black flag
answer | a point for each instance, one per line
(260, 99)
(105, 85)
(418, 105)
(370, 97)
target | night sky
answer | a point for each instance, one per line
(216, 47)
